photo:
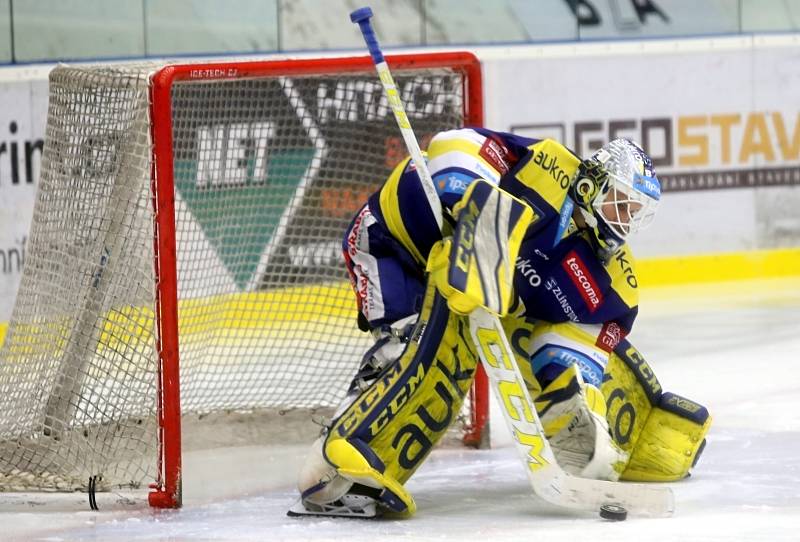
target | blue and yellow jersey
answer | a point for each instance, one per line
(558, 276)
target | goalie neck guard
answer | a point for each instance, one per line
(617, 192)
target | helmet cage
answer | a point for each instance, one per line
(627, 199)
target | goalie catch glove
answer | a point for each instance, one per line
(573, 414)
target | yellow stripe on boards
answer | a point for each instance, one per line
(328, 302)
(305, 307)
(313, 303)
(718, 267)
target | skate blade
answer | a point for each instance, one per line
(365, 509)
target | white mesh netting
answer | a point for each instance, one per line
(268, 172)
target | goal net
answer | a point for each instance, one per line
(185, 255)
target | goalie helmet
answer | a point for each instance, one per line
(617, 192)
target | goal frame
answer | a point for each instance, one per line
(166, 492)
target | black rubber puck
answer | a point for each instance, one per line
(613, 512)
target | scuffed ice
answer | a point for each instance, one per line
(737, 354)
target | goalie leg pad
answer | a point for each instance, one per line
(384, 435)
(356, 462)
(663, 433)
(671, 442)
(353, 488)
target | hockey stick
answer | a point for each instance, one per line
(548, 480)
(361, 17)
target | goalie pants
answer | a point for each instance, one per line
(388, 283)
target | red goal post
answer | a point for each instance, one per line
(185, 255)
(164, 493)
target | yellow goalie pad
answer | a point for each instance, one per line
(664, 433)
(668, 446)
(387, 432)
(476, 267)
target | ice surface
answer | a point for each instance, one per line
(734, 347)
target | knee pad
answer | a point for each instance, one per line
(390, 343)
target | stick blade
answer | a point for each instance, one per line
(647, 500)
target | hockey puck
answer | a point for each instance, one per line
(613, 512)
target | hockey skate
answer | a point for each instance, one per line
(350, 505)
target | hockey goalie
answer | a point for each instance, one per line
(567, 311)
